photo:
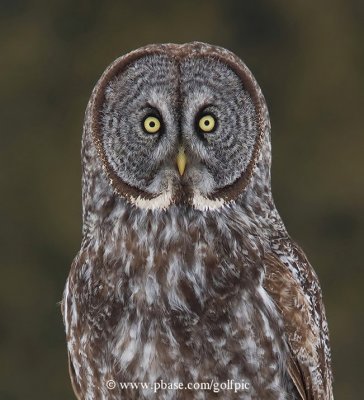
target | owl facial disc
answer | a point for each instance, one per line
(177, 124)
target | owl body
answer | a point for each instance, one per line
(186, 273)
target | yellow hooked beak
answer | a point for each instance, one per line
(181, 160)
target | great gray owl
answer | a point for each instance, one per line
(187, 284)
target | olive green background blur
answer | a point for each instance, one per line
(309, 60)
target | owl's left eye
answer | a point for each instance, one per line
(152, 124)
(207, 123)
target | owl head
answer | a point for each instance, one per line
(178, 124)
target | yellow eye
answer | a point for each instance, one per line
(207, 123)
(152, 124)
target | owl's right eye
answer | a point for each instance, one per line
(152, 124)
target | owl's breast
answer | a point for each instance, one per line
(191, 315)
(230, 339)
(182, 305)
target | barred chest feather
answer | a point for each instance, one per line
(180, 294)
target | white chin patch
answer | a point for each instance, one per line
(203, 203)
(162, 201)
(159, 202)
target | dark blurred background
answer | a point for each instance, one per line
(309, 60)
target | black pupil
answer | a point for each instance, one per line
(152, 124)
(207, 122)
